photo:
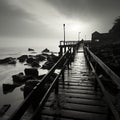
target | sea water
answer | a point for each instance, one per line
(15, 97)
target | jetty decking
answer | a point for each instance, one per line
(83, 89)
(77, 98)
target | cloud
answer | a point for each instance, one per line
(18, 22)
(86, 9)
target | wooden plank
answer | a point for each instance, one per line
(78, 107)
(77, 84)
(77, 87)
(80, 91)
(85, 96)
(83, 81)
(79, 115)
(81, 101)
(47, 117)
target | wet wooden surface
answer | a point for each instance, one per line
(77, 99)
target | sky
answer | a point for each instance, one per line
(40, 22)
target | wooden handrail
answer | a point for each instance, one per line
(108, 71)
(104, 91)
(44, 99)
(25, 104)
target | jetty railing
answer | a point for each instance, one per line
(38, 91)
(65, 45)
(98, 69)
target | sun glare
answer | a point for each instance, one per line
(76, 27)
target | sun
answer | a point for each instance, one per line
(75, 27)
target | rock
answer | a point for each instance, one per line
(8, 60)
(20, 78)
(29, 85)
(35, 64)
(52, 58)
(30, 49)
(40, 57)
(9, 87)
(45, 50)
(23, 58)
(12, 62)
(48, 65)
(30, 60)
(31, 72)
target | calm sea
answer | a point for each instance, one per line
(15, 97)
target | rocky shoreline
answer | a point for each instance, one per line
(28, 78)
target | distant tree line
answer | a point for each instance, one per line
(115, 30)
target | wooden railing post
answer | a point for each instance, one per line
(61, 51)
(95, 82)
(57, 87)
(63, 78)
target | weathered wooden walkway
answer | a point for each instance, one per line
(78, 92)
(77, 99)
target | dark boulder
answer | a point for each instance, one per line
(19, 78)
(23, 58)
(40, 57)
(8, 60)
(30, 49)
(52, 58)
(30, 60)
(45, 50)
(12, 62)
(29, 85)
(31, 72)
(35, 64)
(9, 88)
(48, 65)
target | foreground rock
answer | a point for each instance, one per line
(8, 60)
(20, 78)
(33, 72)
(30, 84)
(9, 88)
(51, 60)
(35, 64)
(40, 57)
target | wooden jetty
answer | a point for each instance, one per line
(78, 91)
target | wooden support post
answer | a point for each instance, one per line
(109, 115)
(63, 78)
(61, 51)
(64, 49)
(57, 87)
(96, 83)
